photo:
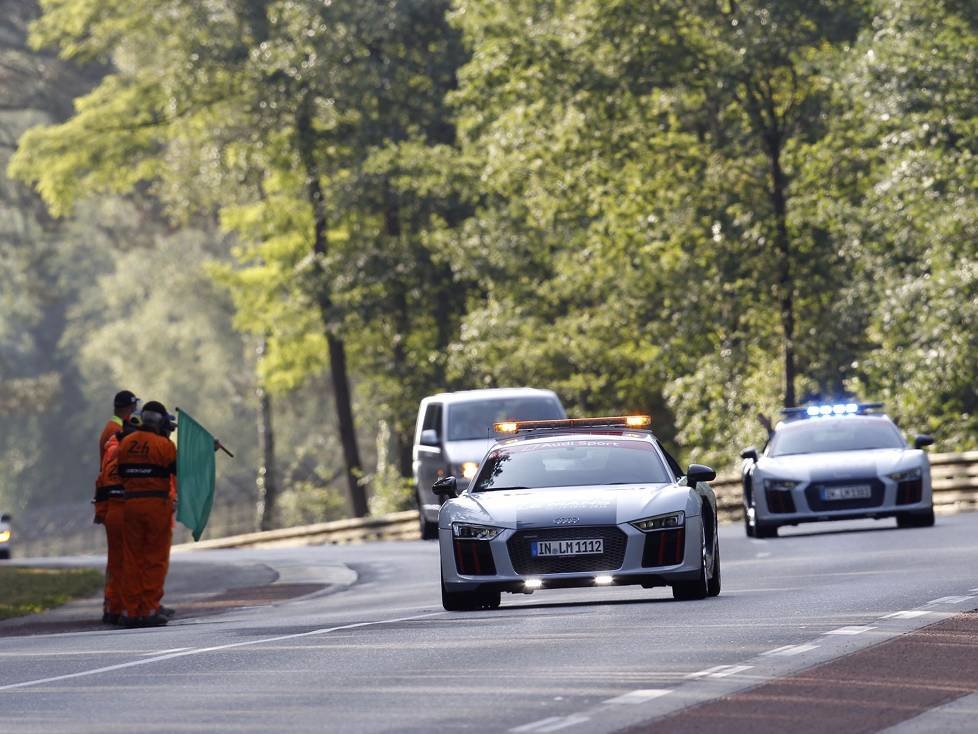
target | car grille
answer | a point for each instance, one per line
(814, 495)
(524, 563)
(664, 548)
(474, 558)
(779, 501)
(910, 491)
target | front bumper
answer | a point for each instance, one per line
(630, 568)
(805, 503)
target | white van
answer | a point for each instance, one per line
(454, 431)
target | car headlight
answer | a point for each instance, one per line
(469, 468)
(908, 474)
(661, 522)
(467, 531)
(780, 484)
(4, 536)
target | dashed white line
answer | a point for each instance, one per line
(787, 650)
(908, 614)
(639, 696)
(950, 600)
(201, 650)
(851, 630)
(720, 671)
(551, 723)
(731, 670)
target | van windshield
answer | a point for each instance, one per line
(471, 420)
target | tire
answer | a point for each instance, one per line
(765, 531)
(748, 528)
(429, 530)
(699, 588)
(468, 601)
(923, 519)
(713, 587)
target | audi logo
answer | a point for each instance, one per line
(566, 520)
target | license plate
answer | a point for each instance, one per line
(567, 547)
(855, 492)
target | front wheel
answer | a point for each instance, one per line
(429, 530)
(709, 578)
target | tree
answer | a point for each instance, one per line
(234, 105)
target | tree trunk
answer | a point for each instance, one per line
(786, 288)
(403, 440)
(267, 478)
(337, 348)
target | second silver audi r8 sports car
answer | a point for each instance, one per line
(836, 462)
(577, 503)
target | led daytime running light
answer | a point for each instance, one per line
(661, 522)
(467, 531)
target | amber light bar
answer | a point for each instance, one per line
(619, 421)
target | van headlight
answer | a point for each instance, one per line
(906, 475)
(469, 468)
(468, 531)
(660, 522)
(4, 536)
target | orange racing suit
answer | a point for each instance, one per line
(147, 463)
(109, 507)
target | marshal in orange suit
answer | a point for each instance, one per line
(147, 463)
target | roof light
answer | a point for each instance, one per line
(825, 410)
(813, 410)
(839, 409)
(621, 421)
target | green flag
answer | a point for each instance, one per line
(195, 473)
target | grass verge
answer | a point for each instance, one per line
(26, 590)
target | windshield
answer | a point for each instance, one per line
(845, 434)
(474, 419)
(571, 463)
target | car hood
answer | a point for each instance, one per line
(839, 465)
(580, 506)
(458, 452)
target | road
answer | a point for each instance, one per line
(376, 653)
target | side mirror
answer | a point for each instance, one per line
(749, 453)
(445, 487)
(699, 473)
(922, 440)
(429, 437)
(5, 517)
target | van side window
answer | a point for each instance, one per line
(432, 418)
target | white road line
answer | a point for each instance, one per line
(731, 670)
(639, 696)
(201, 650)
(950, 600)
(165, 652)
(790, 650)
(852, 630)
(708, 671)
(551, 723)
(908, 614)
(719, 671)
(974, 590)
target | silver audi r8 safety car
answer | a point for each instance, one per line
(836, 462)
(577, 503)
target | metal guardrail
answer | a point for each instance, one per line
(954, 477)
(67, 529)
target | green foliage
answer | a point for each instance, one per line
(32, 590)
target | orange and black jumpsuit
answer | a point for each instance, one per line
(109, 507)
(147, 463)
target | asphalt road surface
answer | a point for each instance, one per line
(842, 627)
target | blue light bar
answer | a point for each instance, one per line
(834, 409)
